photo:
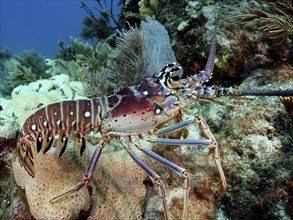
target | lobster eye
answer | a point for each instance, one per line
(175, 78)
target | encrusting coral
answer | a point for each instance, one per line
(116, 191)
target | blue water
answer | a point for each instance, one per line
(39, 24)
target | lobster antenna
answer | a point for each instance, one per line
(243, 92)
(214, 91)
(207, 73)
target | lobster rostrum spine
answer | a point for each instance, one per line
(127, 114)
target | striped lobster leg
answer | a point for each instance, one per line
(211, 143)
(179, 170)
(155, 178)
(87, 176)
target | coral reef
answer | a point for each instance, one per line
(86, 64)
(138, 53)
(26, 67)
(255, 134)
(96, 83)
(147, 8)
(98, 27)
(5, 55)
(274, 18)
(141, 53)
(288, 103)
(74, 49)
(8, 194)
(256, 144)
(32, 59)
(190, 25)
(70, 68)
(256, 152)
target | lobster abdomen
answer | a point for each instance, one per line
(63, 118)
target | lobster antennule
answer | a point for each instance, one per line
(214, 91)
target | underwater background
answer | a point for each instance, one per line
(51, 51)
(38, 25)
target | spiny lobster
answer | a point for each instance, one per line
(128, 114)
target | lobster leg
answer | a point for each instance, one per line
(152, 175)
(87, 176)
(179, 170)
(211, 143)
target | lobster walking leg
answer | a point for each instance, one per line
(87, 176)
(152, 175)
(214, 149)
(179, 170)
(211, 143)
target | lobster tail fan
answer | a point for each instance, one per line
(26, 155)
